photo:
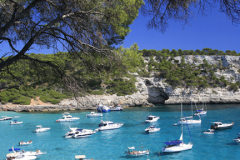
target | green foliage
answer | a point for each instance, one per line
(121, 87)
(233, 86)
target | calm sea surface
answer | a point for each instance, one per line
(112, 144)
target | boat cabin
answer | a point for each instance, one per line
(172, 143)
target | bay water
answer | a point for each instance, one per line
(111, 144)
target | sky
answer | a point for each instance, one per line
(214, 31)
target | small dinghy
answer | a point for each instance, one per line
(237, 139)
(15, 122)
(211, 131)
(25, 143)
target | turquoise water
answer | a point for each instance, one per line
(112, 144)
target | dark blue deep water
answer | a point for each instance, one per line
(112, 144)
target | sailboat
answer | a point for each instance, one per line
(177, 145)
(201, 111)
(189, 119)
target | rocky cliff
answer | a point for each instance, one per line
(155, 91)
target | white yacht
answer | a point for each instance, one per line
(4, 118)
(93, 114)
(117, 108)
(41, 129)
(70, 133)
(67, 118)
(103, 108)
(132, 152)
(80, 133)
(220, 125)
(238, 138)
(152, 129)
(19, 155)
(36, 153)
(107, 125)
(177, 145)
(15, 122)
(152, 118)
(189, 120)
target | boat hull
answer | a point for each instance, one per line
(109, 127)
(94, 115)
(137, 153)
(151, 131)
(178, 148)
(15, 123)
(237, 140)
(223, 126)
(42, 130)
(104, 110)
(67, 120)
(24, 143)
(190, 122)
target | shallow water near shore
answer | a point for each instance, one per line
(112, 144)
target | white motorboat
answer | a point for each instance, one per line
(4, 118)
(107, 125)
(67, 118)
(220, 125)
(103, 108)
(117, 108)
(19, 155)
(152, 129)
(81, 133)
(189, 120)
(41, 129)
(15, 122)
(24, 143)
(177, 145)
(70, 133)
(93, 114)
(152, 118)
(211, 131)
(132, 152)
(36, 153)
(237, 139)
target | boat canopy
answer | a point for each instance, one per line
(217, 122)
(80, 156)
(131, 147)
(175, 142)
(15, 149)
(189, 117)
(200, 110)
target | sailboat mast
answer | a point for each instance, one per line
(191, 104)
(182, 123)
